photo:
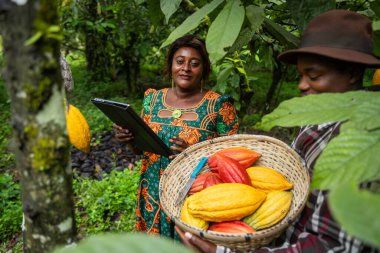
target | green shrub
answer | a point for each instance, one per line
(106, 205)
(10, 207)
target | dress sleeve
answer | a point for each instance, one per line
(226, 118)
(146, 108)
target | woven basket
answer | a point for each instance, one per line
(274, 153)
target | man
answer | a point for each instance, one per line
(335, 49)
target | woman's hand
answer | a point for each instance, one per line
(180, 145)
(195, 243)
(122, 134)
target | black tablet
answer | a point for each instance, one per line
(123, 115)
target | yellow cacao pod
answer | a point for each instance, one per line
(274, 209)
(225, 202)
(376, 77)
(190, 219)
(77, 129)
(268, 179)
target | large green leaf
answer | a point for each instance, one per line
(281, 34)
(121, 243)
(225, 29)
(191, 22)
(357, 211)
(351, 156)
(366, 116)
(304, 10)
(255, 16)
(316, 109)
(168, 7)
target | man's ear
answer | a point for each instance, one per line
(356, 75)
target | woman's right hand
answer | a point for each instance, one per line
(122, 134)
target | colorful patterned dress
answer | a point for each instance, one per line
(213, 116)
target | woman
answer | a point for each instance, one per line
(335, 49)
(181, 116)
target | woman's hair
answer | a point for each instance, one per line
(192, 41)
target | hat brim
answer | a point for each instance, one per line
(291, 56)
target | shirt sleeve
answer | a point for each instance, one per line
(226, 117)
(146, 108)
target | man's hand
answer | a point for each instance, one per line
(195, 243)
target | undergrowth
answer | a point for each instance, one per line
(107, 205)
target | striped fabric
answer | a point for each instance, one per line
(315, 231)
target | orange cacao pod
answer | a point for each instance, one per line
(199, 182)
(230, 171)
(234, 227)
(245, 156)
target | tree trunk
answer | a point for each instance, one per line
(42, 148)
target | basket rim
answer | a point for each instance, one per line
(258, 235)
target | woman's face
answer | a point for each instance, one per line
(320, 74)
(187, 68)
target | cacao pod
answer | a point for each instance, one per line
(245, 156)
(376, 77)
(190, 219)
(77, 129)
(274, 209)
(211, 180)
(225, 202)
(233, 227)
(199, 182)
(230, 171)
(268, 179)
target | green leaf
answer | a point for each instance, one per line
(304, 10)
(255, 16)
(168, 7)
(366, 116)
(225, 29)
(352, 156)
(54, 28)
(33, 39)
(191, 22)
(281, 34)
(121, 243)
(316, 109)
(357, 211)
(223, 75)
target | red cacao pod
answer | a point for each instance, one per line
(212, 163)
(199, 182)
(230, 171)
(245, 156)
(233, 227)
(211, 180)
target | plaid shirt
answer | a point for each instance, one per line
(315, 231)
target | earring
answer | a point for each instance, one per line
(202, 85)
(172, 84)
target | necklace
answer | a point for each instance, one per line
(176, 113)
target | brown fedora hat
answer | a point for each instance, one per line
(338, 34)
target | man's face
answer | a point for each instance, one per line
(320, 74)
